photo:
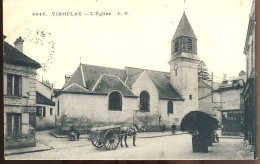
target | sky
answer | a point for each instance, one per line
(141, 38)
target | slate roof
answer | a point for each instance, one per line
(184, 28)
(40, 99)
(160, 79)
(92, 79)
(75, 88)
(235, 84)
(13, 56)
(107, 83)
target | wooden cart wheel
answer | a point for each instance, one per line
(111, 139)
(97, 143)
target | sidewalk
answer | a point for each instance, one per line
(37, 148)
(228, 137)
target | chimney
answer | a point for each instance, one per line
(67, 77)
(242, 73)
(19, 44)
(225, 81)
(4, 37)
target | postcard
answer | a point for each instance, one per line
(129, 79)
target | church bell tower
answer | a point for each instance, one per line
(184, 63)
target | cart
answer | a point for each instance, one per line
(107, 136)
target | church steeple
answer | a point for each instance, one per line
(184, 64)
(184, 28)
(184, 39)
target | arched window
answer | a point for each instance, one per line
(115, 101)
(170, 107)
(144, 101)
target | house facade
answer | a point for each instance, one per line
(19, 81)
(231, 112)
(45, 106)
(249, 92)
(95, 95)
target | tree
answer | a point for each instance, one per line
(203, 71)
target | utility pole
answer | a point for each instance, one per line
(212, 86)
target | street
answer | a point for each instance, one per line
(166, 147)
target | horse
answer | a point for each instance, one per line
(129, 131)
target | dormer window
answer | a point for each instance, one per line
(189, 44)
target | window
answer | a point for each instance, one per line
(41, 111)
(51, 111)
(170, 107)
(189, 44)
(14, 86)
(38, 111)
(176, 46)
(14, 123)
(115, 101)
(190, 97)
(144, 101)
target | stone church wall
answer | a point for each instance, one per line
(168, 119)
(86, 111)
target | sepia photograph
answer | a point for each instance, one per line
(129, 80)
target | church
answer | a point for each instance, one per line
(98, 96)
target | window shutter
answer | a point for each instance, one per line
(5, 84)
(44, 111)
(25, 86)
(25, 123)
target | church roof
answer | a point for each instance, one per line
(107, 83)
(96, 79)
(75, 88)
(184, 28)
(13, 56)
(160, 79)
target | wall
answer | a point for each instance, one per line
(48, 121)
(144, 83)
(168, 119)
(44, 90)
(92, 110)
(186, 81)
(24, 104)
(231, 99)
(149, 119)
(205, 98)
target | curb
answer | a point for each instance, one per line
(53, 134)
(32, 151)
(161, 135)
(232, 137)
(60, 136)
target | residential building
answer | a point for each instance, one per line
(19, 81)
(249, 92)
(46, 109)
(231, 111)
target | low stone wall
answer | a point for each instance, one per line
(83, 124)
(21, 142)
